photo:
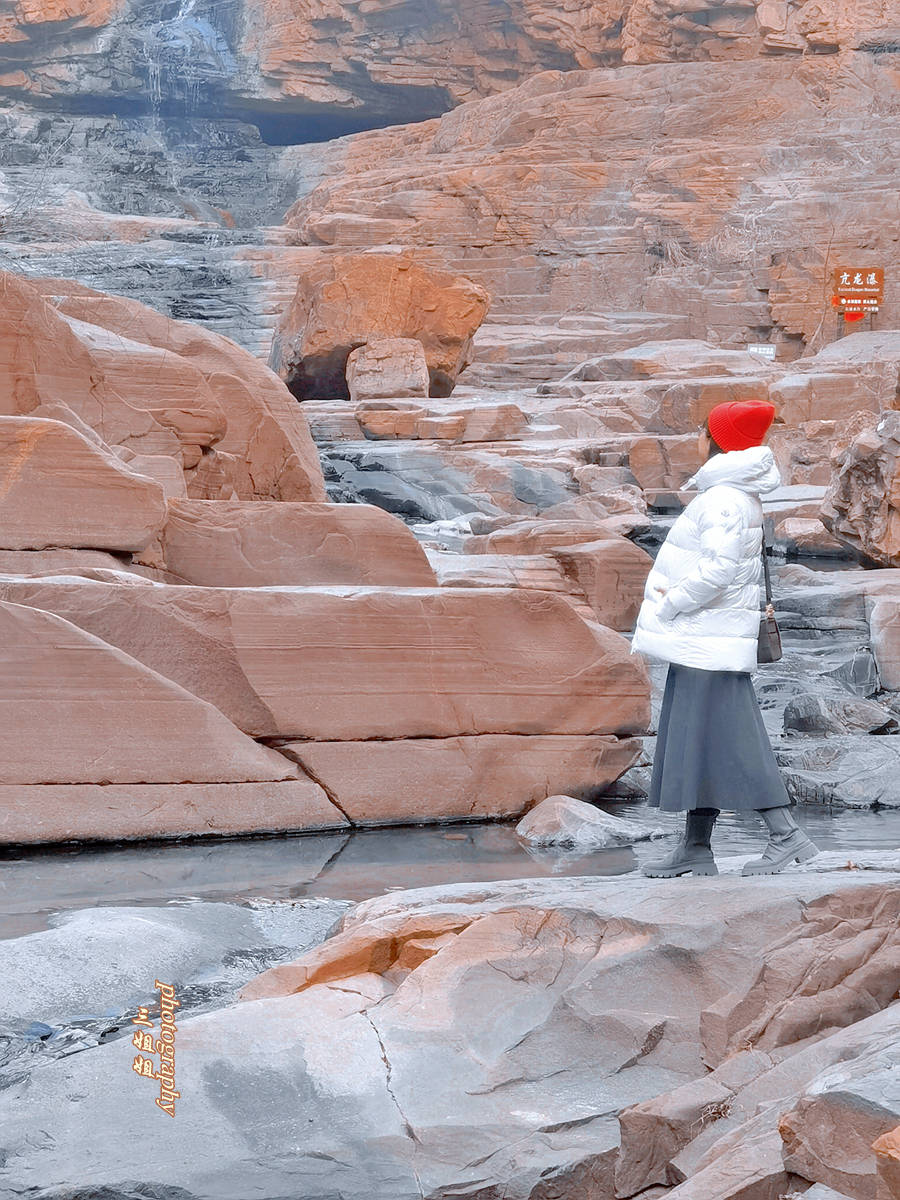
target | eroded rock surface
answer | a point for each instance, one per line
(475, 1036)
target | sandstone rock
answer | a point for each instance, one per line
(806, 536)
(483, 186)
(561, 820)
(24, 563)
(386, 367)
(653, 1132)
(373, 1016)
(462, 672)
(180, 633)
(887, 1158)
(842, 771)
(345, 300)
(685, 406)
(78, 812)
(810, 713)
(858, 507)
(803, 454)
(823, 395)
(43, 363)
(677, 357)
(664, 462)
(216, 543)
(535, 536)
(828, 1134)
(61, 490)
(414, 780)
(883, 616)
(157, 381)
(275, 457)
(611, 573)
(390, 419)
(77, 710)
(463, 669)
(839, 966)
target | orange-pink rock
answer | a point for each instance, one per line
(611, 573)
(343, 301)
(77, 710)
(57, 489)
(271, 453)
(233, 543)
(493, 775)
(386, 367)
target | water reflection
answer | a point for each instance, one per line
(354, 866)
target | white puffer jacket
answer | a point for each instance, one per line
(711, 569)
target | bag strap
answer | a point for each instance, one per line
(766, 568)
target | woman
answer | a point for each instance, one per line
(701, 614)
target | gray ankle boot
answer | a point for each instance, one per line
(787, 841)
(693, 853)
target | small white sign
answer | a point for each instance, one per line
(762, 349)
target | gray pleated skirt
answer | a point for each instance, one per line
(712, 748)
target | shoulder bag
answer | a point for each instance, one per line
(768, 646)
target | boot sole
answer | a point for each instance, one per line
(672, 873)
(804, 854)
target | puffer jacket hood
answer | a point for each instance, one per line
(701, 603)
(752, 470)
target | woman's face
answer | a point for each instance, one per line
(703, 443)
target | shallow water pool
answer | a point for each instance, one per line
(363, 863)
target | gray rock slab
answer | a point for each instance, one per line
(484, 1050)
(103, 961)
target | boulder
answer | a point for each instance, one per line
(77, 710)
(818, 714)
(806, 537)
(234, 543)
(345, 300)
(61, 490)
(473, 661)
(376, 662)
(45, 366)
(387, 367)
(415, 780)
(842, 770)
(611, 573)
(272, 456)
(561, 820)
(861, 506)
(829, 1133)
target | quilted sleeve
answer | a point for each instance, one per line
(721, 525)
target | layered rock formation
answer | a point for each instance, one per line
(229, 650)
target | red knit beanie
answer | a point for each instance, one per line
(739, 424)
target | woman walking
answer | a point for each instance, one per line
(701, 614)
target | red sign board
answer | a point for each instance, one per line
(858, 289)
